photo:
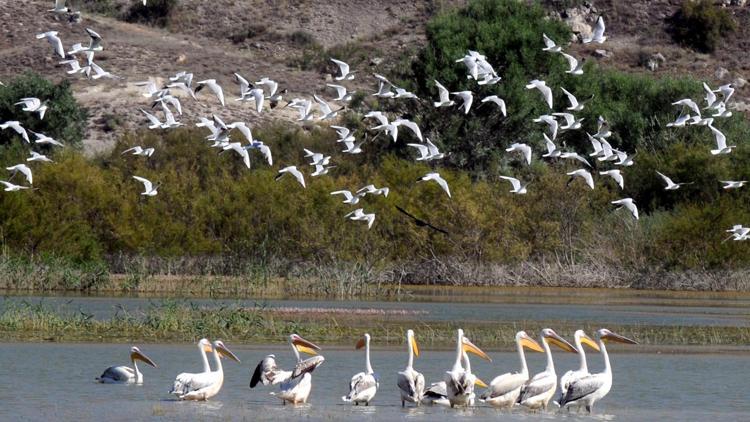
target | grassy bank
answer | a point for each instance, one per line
(173, 322)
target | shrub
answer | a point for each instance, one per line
(155, 12)
(700, 24)
(64, 120)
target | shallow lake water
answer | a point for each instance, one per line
(51, 381)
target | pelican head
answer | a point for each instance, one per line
(224, 351)
(582, 338)
(363, 341)
(413, 341)
(205, 345)
(550, 336)
(527, 342)
(469, 347)
(303, 345)
(608, 336)
(136, 354)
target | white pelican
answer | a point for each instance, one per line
(363, 385)
(538, 391)
(125, 374)
(579, 338)
(296, 384)
(459, 381)
(410, 382)
(588, 390)
(505, 389)
(205, 385)
(204, 346)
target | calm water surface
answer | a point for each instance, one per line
(56, 382)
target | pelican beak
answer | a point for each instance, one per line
(588, 341)
(531, 344)
(617, 338)
(305, 346)
(360, 343)
(414, 346)
(480, 383)
(560, 342)
(223, 351)
(143, 358)
(469, 347)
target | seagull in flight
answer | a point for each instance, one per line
(437, 178)
(10, 187)
(733, 184)
(33, 105)
(582, 173)
(372, 190)
(497, 101)
(345, 74)
(629, 204)
(616, 175)
(428, 152)
(294, 172)
(517, 186)
(341, 92)
(551, 122)
(348, 197)
(214, 87)
(444, 96)
(670, 184)
(148, 188)
(523, 149)
(598, 33)
(467, 97)
(575, 66)
(543, 88)
(23, 169)
(575, 156)
(721, 142)
(550, 45)
(574, 104)
(139, 150)
(15, 125)
(35, 156)
(360, 215)
(42, 139)
(54, 40)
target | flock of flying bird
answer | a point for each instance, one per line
(578, 388)
(266, 91)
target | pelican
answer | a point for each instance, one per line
(505, 389)
(436, 393)
(183, 379)
(125, 374)
(205, 385)
(580, 338)
(538, 391)
(363, 385)
(588, 390)
(296, 384)
(410, 382)
(459, 381)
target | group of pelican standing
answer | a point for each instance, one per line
(578, 388)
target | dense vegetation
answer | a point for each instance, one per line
(701, 24)
(209, 205)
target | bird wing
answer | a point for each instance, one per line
(264, 371)
(56, 43)
(503, 384)
(442, 92)
(721, 140)
(443, 184)
(307, 366)
(340, 90)
(348, 195)
(341, 131)
(537, 385)
(343, 67)
(96, 39)
(572, 61)
(666, 179)
(572, 98)
(153, 119)
(298, 175)
(547, 93)
(413, 127)
(406, 383)
(599, 29)
(244, 84)
(423, 150)
(266, 151)
(513, 181)
(361, 382)
(548, 42)
(117, 373)
(147, 185)
(582, 387)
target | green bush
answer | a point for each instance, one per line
(64, 120)
(155, 12)
(700, 24)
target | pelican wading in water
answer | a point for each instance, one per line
(587, 390)
(410, 382)
(295, 384)
(459, 381)
(204, 346)
(204, 385)
(126, 374)
(538, 391)
(363, 385)
(579, 339)
(505, 389)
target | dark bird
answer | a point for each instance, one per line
(421, 223)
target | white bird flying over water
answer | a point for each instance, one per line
(444, 96)
(54, 40)
(616, 175)
(517, 186)
(543, 88)
(497, 101)
(467, 97)
(584, 174)
(598, 33)
(360, 215)
(23, 169)
(345, 74)
(629, 204)
(575, 67)
(437, 178)
(148, 188)
(523, 149)
(550, 45)
(294, 172)
(33, 105)
(15, 125)
(214, 87)
(670, 184)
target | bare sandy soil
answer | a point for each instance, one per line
(198, 40)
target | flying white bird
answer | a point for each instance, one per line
(320, 169)
(550, 45)
(726, 92)
(575, 67)
(294, 172)
(543, 88)
(444, 96)
(155, 122)
(75, 67)
(35, 156)
(148, 188)
(584, 174)
(670, 184)
(437, 178)
(721, 142)
(523, 149)
(467, 97)
(598, 33)
(551, 122)
(733, 184)
(242, 152)
(359, 215)
(571, 123)
(317, 158)
(139, 150)
(413, 127)
(325, 109)
(623, 159)
(372, 190)
(629, 204)
(552, 151)
(402, 93)
(15, 125)
(59, 7)
(427, 152)
(575, 156)
(10, 187)
(344, 70)
(721, 110)
(517, 186)
(42, 139)
(574, 104)
(616, 175)
(33, 105)
(99, 72)
(23, 169)
(498, 101)
(341, 92)
(95, 42)
(54, 40)
(214, 87)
